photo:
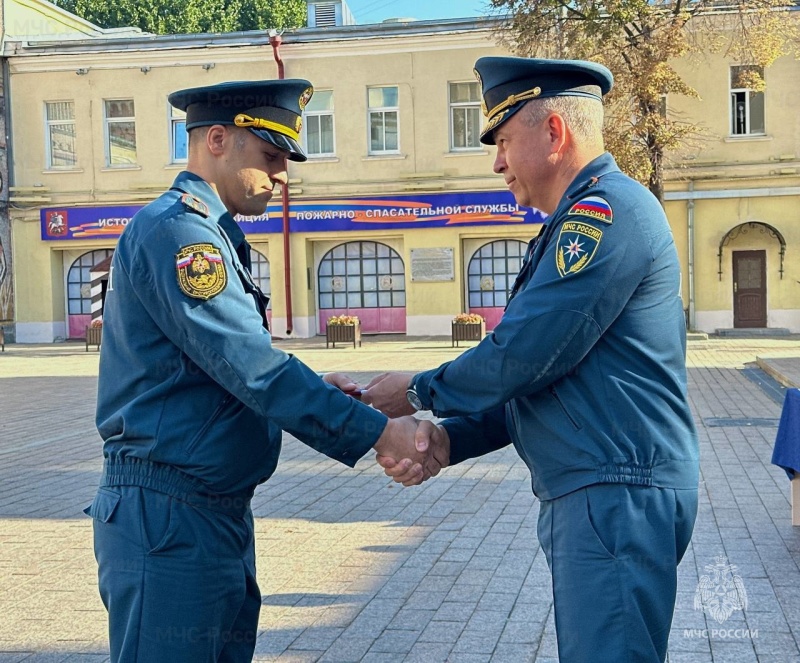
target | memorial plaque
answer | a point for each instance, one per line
(432, 265)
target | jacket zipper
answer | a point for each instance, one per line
(574, 423)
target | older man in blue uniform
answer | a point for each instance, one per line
(193, 396)
(585, 374)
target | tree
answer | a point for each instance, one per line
(190, 16)
(638, 40)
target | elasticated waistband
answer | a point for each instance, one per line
(171, 481)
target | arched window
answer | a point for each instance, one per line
(79, 291)
(366, 279)
(79, 296)
(490, 276)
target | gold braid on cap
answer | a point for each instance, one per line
(242, 120)
(512, 100)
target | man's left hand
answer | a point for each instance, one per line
(345, 383)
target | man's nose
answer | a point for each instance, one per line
(499, 163)
(281, 177)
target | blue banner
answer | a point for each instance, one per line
(435, 210)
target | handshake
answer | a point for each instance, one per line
(409, 450)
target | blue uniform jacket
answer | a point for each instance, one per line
(585, 374)
(189, 377)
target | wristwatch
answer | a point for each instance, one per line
(413, 398)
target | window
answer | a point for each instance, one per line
(120, 133)
(179, 137)
(259, 270)
(747, 105)
(318, 123)
(79, 281)
(361, 275)
(383, 120)
(491, 273)
(60, 130)
(465, 116)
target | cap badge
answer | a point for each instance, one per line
(305, 97)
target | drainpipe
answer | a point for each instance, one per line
(690, 216)
(275, 42)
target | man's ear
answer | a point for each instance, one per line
(216, 139)
(557, 128)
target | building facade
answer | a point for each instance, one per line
(397, 216)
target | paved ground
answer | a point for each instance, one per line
(353, 568)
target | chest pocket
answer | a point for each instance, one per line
(250, 287)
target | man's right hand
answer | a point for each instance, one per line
(432, 441)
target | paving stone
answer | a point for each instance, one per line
(355, 568)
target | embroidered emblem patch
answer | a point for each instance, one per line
(594, 207)
(201, 272)
(577, 244)
(194, 204)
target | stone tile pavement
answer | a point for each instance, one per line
(353, 568)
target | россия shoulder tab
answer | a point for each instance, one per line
(593, 207)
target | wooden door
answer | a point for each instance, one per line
(749, 289)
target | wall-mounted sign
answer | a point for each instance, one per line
(436, 210)
(432, 265)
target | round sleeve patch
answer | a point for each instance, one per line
(201, 271)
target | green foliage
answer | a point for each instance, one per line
(639, 40)
(190, 16)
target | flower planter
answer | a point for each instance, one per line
(94, 336)
(468, 331)
(343, 334)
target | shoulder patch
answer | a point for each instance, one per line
(201, 271)
(594, 207)
(194, 204)
(577, 245)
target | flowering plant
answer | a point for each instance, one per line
(98, 322)
(468, 319)
(339, 320)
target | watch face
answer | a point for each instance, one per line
(414, 400)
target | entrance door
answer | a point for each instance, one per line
(749, 289)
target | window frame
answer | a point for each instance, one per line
(174, 120)
(107, 121)
(453, 105)
(48, 145)
(307, 114)
(732, 92)
(383, 111)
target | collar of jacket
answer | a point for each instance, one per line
(589, 175)
(196, 186)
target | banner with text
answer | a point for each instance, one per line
(342, 214)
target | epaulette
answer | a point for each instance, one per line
(195, 205)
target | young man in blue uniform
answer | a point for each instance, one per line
(585, 374)
(192, 396)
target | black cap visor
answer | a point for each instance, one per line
(282, 142)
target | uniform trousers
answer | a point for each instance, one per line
(178, 581)
(613, 551)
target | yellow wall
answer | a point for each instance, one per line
(748, 172)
